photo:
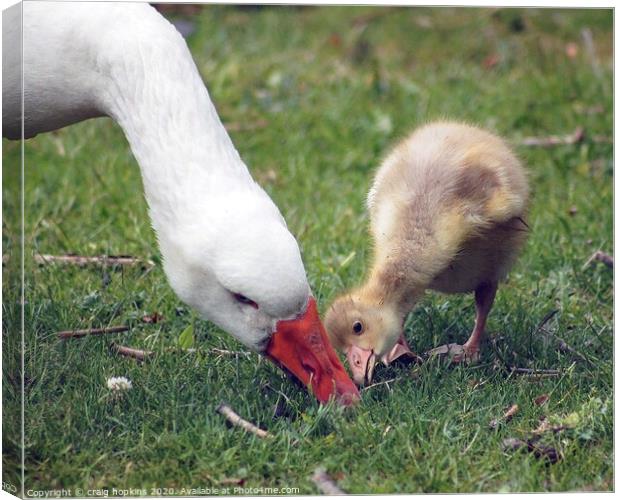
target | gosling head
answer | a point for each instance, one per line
(364, 331)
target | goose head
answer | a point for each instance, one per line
(241, 268)
(365, 331)
(226, 249)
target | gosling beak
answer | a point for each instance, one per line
(300, 346)
(362, 363)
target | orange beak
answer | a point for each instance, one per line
(300, 346)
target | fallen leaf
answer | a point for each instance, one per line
(572, 419)
(491, 61)
(548, 453)
(541, 400)
(335, 40)
(571, 49)
(600, 256)
(543, 426)
(269, 176)
(510, 412)
(152, 318)
(506, 417)
(424, 21)
(186, 339)
(232, 480)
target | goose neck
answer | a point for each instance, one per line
(152, 88)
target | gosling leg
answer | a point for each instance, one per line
(485, 295)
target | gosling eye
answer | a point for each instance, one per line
(242, 299)
(358, 328)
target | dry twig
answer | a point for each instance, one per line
(131, 352)
(548, 317)
(244, 126)
(564, 347)
(534, 444)
(563, 140)
(547, 453)
(562, 344)
(235, 419)
(225, 480)
(286, 398)
(91, 331)
(535, 373)
(226, 352)
(324, 483)
(588, 41)
(384, 382)
(215, 350)
(545, 426)
(554, 140)
(81, 260)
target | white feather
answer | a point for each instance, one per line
(218, 230)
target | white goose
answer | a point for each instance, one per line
(227, 251)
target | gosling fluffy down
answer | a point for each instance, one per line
(447, 209)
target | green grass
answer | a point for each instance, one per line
(337, 88)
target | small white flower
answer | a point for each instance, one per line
(119, 384)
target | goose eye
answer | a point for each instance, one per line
(358, 328)
(244, 300)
